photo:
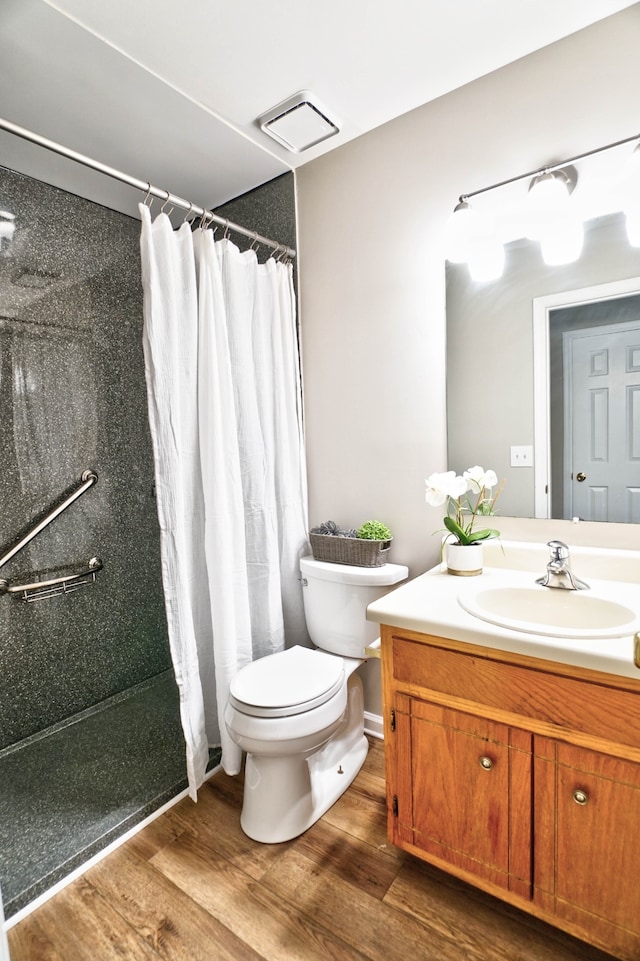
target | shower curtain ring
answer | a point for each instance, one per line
(254, 242)
(165, 204)
(226, 230)
(146, 200)
(186, 216)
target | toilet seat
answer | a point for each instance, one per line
(287, 683)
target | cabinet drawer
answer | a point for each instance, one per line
(553, 700)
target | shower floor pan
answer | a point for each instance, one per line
(68, 792)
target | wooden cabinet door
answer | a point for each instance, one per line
(465, 792)
(588, 855)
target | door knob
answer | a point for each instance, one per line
(581, 476)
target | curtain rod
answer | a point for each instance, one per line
(150, 191)
(549, 167)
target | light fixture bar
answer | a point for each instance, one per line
(549, 168)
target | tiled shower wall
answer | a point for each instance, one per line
(72, 397)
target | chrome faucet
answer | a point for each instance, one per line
(559, 573)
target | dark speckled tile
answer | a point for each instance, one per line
(73, 396)
(66, 794)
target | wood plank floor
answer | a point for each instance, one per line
(192, 887)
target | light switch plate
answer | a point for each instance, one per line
(522, 456)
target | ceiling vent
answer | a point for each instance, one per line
(298, 123)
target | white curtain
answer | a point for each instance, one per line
(224, 397)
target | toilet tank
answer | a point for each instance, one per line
(335, 603)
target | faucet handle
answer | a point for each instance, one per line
(559, 550)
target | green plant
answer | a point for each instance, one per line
(374, 531)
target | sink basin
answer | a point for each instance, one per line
(550, 611)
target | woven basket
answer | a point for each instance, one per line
(356, 551)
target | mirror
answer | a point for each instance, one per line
(498, 399)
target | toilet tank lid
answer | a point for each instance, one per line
(348, 574)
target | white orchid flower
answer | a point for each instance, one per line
(477, 478)
(440, 486)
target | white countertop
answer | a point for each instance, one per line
(429, 604)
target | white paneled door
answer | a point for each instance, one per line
(602, 423)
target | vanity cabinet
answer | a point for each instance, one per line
(520, 776)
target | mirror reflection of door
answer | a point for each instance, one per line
(601, 470)
(594, 379)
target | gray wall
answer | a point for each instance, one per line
(372, 217)
(72, 396)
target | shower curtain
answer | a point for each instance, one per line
(224, 399)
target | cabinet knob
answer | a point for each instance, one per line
(486, 763)
(580, 797)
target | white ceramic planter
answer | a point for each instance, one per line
(463, 560)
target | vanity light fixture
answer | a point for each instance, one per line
(551, 216)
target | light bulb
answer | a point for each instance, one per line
(562, 243)
(471, 238)
(486, 261)
(547, 200)
(458, 232)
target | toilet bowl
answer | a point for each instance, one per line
(299, 714)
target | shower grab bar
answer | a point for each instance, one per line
(88, 479)
(65, 584)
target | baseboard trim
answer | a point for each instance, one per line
(373, 725)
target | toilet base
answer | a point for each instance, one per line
(283, 796)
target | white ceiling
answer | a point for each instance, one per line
(169, 92)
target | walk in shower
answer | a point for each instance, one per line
(90, 737)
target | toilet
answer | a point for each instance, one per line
(299, 714)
